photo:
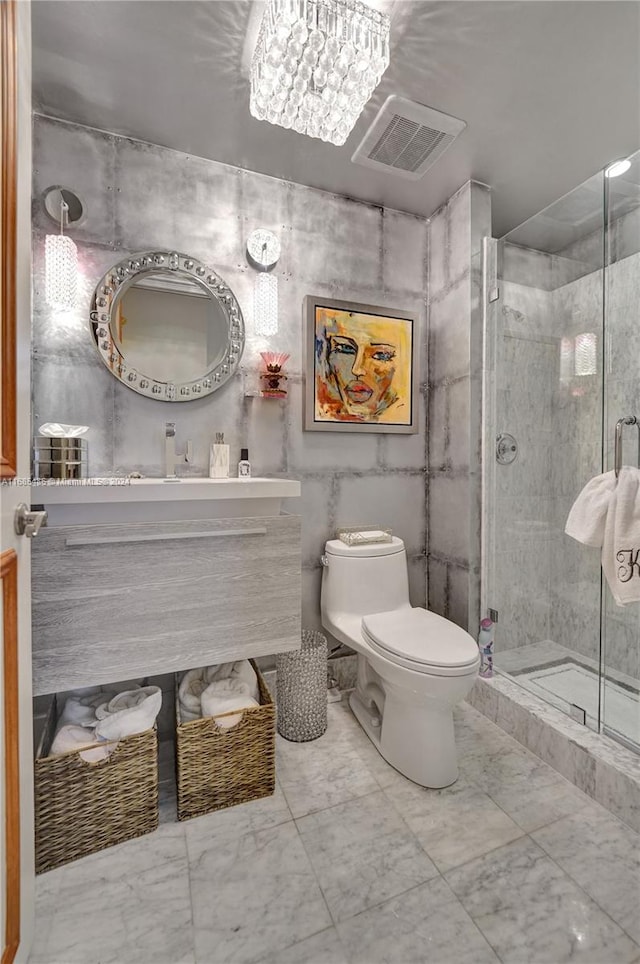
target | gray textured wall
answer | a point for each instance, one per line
(455, 388)
(141, 196)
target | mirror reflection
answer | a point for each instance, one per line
(169, 327)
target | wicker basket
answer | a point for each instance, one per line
(219, 767)
(82, 807)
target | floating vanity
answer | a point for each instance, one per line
(147, 576)
(153, 500)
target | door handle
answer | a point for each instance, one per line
(28, 522)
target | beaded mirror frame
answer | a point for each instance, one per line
(110, 291)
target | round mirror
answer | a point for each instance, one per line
(167, 326)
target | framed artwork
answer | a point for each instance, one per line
(361, 368)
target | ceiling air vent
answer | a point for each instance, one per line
(406, 138)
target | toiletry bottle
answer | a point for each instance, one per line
(485, 645)
(244, 465)
(219, 458)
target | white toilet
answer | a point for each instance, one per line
(413, 666)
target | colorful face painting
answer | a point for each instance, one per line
(363, 368)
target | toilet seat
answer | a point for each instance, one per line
(421, 641)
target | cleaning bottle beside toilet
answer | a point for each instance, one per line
(485, 645)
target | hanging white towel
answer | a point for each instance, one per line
(133, 711)
(72, 737)
(607, 514)
(225, 695)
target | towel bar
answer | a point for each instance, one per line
(617, 458)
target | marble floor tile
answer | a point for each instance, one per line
(476, 736)
(603, 856)
(455, 824)
(426, 925)
(46, 893)
(322, 773)
(375, 763)
(532, 911)
(253, 884)
(363, 853)
(165, 845)
(253, 895)
(145, 915)
(323, 948)
(237, 821)
(526, 788)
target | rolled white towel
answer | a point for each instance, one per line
(132, 711)
(80, 705)
(240, 669)
(70, 737)
(191, 687)
(220, 671)
(244, 671)
(81, 710)
(225, 695)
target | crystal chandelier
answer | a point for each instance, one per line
(316, 64)
(61, 267)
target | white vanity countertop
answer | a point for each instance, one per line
(90, 491)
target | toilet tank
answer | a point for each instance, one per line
(364, 579)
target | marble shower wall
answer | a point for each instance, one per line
(140, 196)
(455, 388)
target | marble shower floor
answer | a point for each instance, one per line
(350, 862)
(563, 677)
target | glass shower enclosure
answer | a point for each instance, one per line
(562, 367)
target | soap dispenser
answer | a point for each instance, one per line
(244, 465)
(219, 458)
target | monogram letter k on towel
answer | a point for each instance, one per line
(607, 514)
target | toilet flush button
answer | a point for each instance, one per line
(375, 721)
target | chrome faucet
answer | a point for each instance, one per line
(171, 457)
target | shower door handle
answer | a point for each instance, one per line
(617, 456)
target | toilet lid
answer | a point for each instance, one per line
(421, 637)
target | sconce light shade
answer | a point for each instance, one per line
(265, 305)
(61, 272)
(586, 346)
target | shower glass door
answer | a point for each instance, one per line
(562, 365)
(620, 710)
(544, 341)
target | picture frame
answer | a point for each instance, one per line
(361, 364)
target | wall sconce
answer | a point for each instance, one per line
(578, 358)
(61, 254)
(585, 362)
(273, 376)
(263, 252)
